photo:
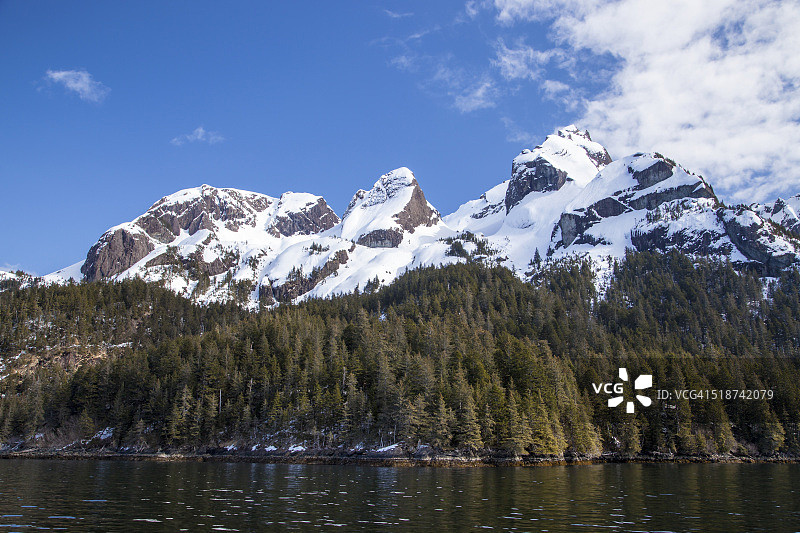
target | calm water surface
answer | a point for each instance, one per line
(148, 496)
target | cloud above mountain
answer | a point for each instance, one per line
(714, 84)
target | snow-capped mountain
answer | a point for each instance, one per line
(782, 212)
(569, 155)
(198, 225)
(564, 197)
(219, 244)
(380, 217)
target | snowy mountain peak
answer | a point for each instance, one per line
(213, 195)
(647, 195)
(568, 155)
(572, 131)
(200, 217)
(564, 197)
(785, 213)
(399, 177)
(378, 218)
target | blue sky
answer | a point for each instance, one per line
(108, 106)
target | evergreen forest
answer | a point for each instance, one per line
(465, 358)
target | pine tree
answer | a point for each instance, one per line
(630, 437)
(414, 420)
(488, 435)
(467, 429)
(440, 422)
(772, 433)
(515, 433)
(724, 442)
(544, 439)
(209, 418)
(177, 423)
(86, 425)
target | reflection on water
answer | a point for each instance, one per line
(148, 496)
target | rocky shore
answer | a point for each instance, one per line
(393, 458)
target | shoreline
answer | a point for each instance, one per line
(434, 461)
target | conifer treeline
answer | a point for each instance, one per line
(464, 357)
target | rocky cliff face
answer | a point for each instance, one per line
(563, 197)
(116, 252)
(757, 240)
(570, 154)
(189, 231)
(705, 228)
(395, 206)
(312, 217)
(785, 213)
(637, 183)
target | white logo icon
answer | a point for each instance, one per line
(645, 381)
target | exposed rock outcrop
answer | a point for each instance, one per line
(311, 218)
(536, 175)
(381, 238)
(570, 154)
(757, 241)
(782, 212)
(115, 252)
(417, 212)
(395, 205)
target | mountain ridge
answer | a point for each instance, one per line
(564, 197)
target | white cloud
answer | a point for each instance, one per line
(569, 98)
(396, 15)
(403, 62)
(422, 33)
(714, 84)
(198, 135)
(80, 82)
(473, 7)
(511, 11)
(467, 91)
(553, 88)
(478, 96)
(521, 62)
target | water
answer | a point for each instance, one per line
(149, 496)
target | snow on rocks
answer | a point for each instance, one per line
(564, 197)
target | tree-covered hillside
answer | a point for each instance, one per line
(464, 357)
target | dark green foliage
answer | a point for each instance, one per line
(457, 250)
(47, 316)
(465, 357)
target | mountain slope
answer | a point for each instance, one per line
(563, 197)
(380, 217)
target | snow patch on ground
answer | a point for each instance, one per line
(104, 434)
